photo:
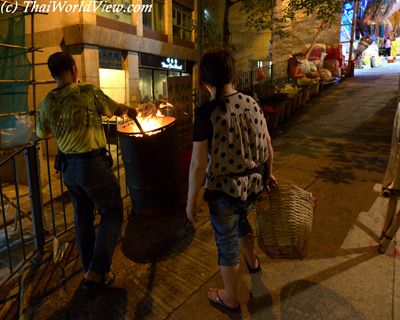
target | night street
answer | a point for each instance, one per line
(199, 159)
(338, 149)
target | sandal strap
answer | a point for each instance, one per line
(219, 300)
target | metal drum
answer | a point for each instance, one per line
(152, 167)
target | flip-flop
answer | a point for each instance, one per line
(109, 279)
(253, 270)
(220, 305)
(106, 281)
(92, 285)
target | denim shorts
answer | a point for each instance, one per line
(229, 221)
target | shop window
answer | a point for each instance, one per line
(182, 22)
(154, 20)
(153, 83)
(112, 82)
(160, 84)
(145, 85)
(111, 74)
(173, 74)
(123, 16)
(110, 59)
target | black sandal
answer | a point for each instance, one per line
(253, 270)
(92, 285)
(106, 281)
(220, 305)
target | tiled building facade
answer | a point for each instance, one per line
(128, 55)
(125, 53)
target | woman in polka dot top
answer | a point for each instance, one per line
(232, 149)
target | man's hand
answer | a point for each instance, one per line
(132, 113)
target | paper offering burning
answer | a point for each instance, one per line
(150, 118)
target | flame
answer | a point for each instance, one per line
(151, 123)
(150, 119)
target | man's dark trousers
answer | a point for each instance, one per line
(92, 184)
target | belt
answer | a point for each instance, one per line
(86, 155)
(248, 172)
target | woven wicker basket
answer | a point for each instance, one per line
(284, 221)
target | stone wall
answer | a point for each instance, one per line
(305, 29)
(249, 45)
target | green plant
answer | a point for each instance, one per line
(212, 38)
(322, 13)
(262, 15)
(258, 13)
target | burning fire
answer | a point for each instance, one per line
(150, 123)
(150, 118)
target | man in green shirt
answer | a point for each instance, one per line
(72, 113)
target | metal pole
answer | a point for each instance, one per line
(15, 81)
(271, 43)
(200, 44)
(53, 219)
(33, 64)
(353, 27)
(35, 194)
(5, 115)
(18, 207)
(3, 211)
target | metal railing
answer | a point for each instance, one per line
(22, 229)
(35, 206)
(277, 72)
(113, 146)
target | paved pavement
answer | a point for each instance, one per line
(337, 149)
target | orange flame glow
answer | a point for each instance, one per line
(150, 123)
(150, 119)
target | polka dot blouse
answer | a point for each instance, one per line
(237, 145)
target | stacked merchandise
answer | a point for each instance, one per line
(334, 60)
(323, 63)
(370, 57)
(334, 67)
(395, 48)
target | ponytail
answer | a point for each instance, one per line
(219, 98)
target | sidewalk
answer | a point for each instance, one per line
(338, 150)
